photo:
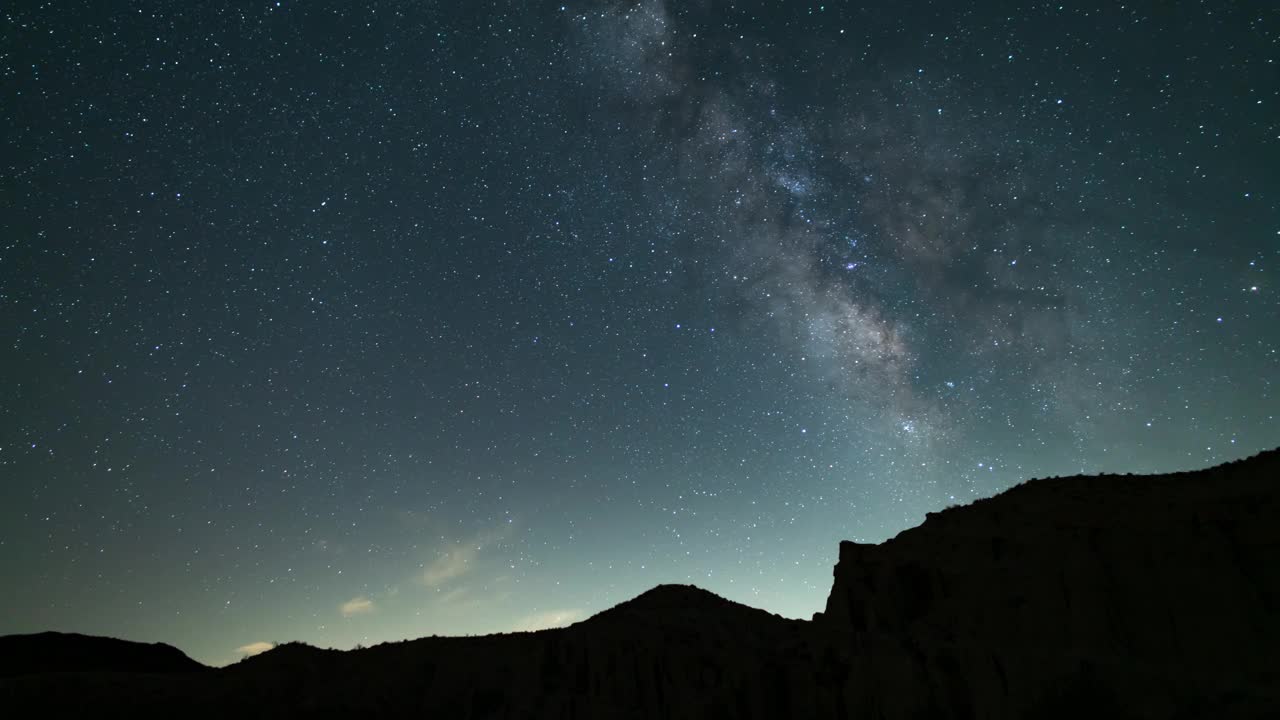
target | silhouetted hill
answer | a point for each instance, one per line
(1107, 596)
(680, 605)
(667, 598)
(53, 652)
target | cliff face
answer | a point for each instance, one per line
(1111, 596)
(1143, 596)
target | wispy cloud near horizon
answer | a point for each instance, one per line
(254, 648)
(459, 558)
(357, 606)
(452, 563)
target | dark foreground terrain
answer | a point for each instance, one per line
(1110, 596)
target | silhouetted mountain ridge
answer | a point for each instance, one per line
(1099, 596)
(55, 652)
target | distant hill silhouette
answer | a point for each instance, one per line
(53, 652)
(1108, 596)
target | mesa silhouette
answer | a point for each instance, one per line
(1105, 596)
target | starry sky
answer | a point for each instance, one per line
(352, 322)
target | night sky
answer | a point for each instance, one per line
(348, 324)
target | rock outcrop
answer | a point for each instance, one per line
(1134, 595)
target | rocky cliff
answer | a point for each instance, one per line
(1134, 595)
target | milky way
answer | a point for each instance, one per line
(347, 324)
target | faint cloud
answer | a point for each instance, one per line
(457, 559)
(453, 562)
(547, 620)
(454, 595)
(357, 606)
(254, 648)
